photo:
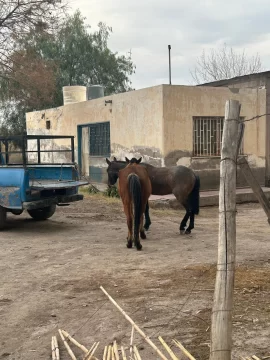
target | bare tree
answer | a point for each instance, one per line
(18, 17)
(224, 63)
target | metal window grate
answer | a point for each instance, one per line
(207, 136)
(99, 139)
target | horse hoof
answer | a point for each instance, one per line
(129, 244)
(143, 236)
(188, 232)
(139, 247)
(182, 232)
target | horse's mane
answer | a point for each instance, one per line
(124, 162)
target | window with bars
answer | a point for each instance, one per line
(207, 136)
(99, 139)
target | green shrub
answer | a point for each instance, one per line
(111, 192)
(92, 190)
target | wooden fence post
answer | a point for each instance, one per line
(253, 183)
(221, 329)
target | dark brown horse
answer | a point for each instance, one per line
(134, 188)
(178, 180)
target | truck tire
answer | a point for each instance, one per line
(43, 213)
(16, 212)
(3, 217)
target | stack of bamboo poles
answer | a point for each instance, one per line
(114, 352)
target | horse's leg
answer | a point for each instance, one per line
(191, 223)
(128, 212)
(183, 223)
(180, 197)
(137, 242)
(147, 217)
(142, 233)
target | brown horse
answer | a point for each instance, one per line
(135, 189)
(178, 180)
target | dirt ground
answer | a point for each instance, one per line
(50, 273)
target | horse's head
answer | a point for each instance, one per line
(112, 170)
(133, 160)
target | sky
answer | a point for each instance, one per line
(147, 27)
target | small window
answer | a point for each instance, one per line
(207, 135)
(99, 139)
(48, 124)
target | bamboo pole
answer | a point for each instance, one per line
(145, 337)
(184, 350)
(167, 348)
(105, 353)
(75, 342)
(221, 329)
(113, 357)
(109, 353)
(89, 351)
(115, 348)
(123, 353)
(73, 357)
(136, 352)
(57, 353)
(91, 355)
(53, 349)
(131, 341)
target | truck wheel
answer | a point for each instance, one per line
(16, 212)
(43, 213)
(3, 217)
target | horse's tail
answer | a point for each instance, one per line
(135, 192)
(194, 197)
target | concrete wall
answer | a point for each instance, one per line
(259, 81)
(157, 124)
(181, 103)
(135, 123)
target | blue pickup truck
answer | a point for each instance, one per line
(30, 181)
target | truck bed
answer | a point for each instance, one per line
(50, 184)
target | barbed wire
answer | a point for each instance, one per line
(254, 117)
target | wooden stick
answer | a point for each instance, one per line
(73, 357)
(123, 353)
(255, 357)
(75, 342)
(146, 338)
(138, 357)
(115, 348)
(53, 349)
(184, 350)
(57, 353)
(221, 328)
(167, 348)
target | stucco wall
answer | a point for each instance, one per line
(261, 81)
(135, 123)
(181, 103)
(157, 123)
